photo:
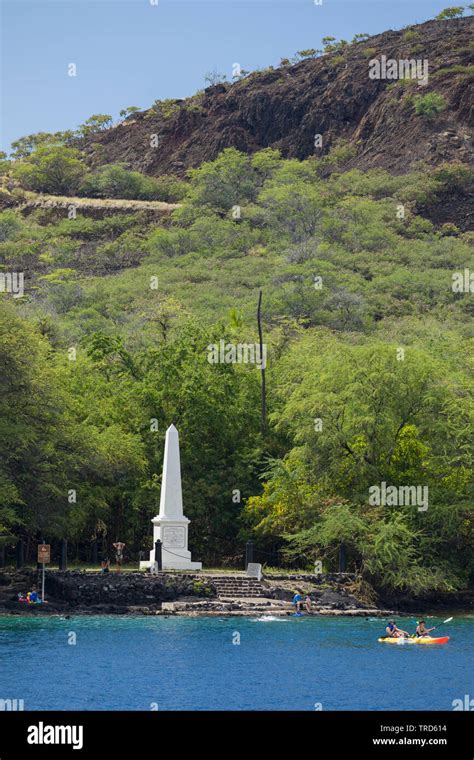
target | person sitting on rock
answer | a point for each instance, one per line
(393, 632)
(307, 603)
(105, 566)
(33, 595)
(297, 601)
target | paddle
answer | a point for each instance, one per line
(448, 620)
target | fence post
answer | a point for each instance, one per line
(158, 558)
(248, 553)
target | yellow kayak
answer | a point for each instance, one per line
(414, 640)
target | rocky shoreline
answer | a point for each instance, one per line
(181, 594)
(192, 595)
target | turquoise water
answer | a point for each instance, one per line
(143, 663)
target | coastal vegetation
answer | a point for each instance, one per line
(368, 378)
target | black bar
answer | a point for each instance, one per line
(371, 734)
(158, 558)
(248, 553)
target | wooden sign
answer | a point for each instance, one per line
(44, 553)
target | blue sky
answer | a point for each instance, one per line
(130, 52)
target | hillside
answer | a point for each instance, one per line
(331, 95)
(121, 279)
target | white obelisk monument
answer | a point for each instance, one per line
(170, 526)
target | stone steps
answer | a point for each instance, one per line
(248, 594)
(238, 587)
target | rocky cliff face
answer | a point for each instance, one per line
(331, 95)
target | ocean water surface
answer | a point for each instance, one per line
(144, 663)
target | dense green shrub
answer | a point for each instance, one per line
(410, 35)
(116, 181)
(223, 183)
(10, 225)
(51, 169)
(429, 105)
(454, 176)
(169, 189)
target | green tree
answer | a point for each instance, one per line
(24, 146)
(265, 162)
(96, 123)
(308, 53)
(452, 12)
(36, 434)
(331, 46)
(335, 524)
(128, 111)
(223, 183)
(294, 208)
(375, 407)
(55, 169)
(115, 181)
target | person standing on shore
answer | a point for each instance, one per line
(119, 546)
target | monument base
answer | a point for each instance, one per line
(173, 534)
(146, 565)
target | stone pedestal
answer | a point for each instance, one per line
(173, 534)
(170, 526)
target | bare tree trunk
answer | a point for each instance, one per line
(262, 367)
